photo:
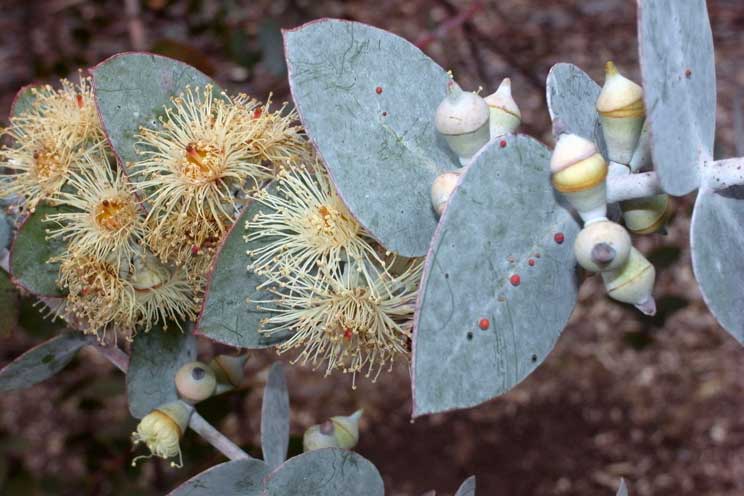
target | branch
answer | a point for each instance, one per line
(722, 174)
(632, 186)
(214, 437)
(198, 424)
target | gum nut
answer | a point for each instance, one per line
(602, 246)
(318, 437)
(195, 382)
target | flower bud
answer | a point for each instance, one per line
(621, 112)
(347, 429)
(647, 215)
(441, 189)
(504, 114)
(462, 118)
(195, 382)
(338, 432)
(633, 283)
(161, 431)
(319, 436)
(579, 172)
(229, 370)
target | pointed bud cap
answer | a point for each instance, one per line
(633, 282)
(460, 112)
(570, 150)
(620, 97)
(347, 429)
(502, 99)
(230, 370)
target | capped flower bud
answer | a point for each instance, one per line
(161, 431)
(621, 112)
(441, 189)
(602, 245)
(647, 215)
(633, 283)
(504, 114)
(229, 369)
(195, 382)
(579, 172)
(338, 432)
(347, 429)
(319, 436)
(462, 118)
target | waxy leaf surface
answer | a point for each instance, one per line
(497, 288)
(156, 357)
(275, 417)
(367, 99)
(131, 91)
(467, 488)
(679, 82)
(41, 362)
(572, 98)
(324, 472)
(31, 252)
(716, 240)
(230, 314)
(234, 478)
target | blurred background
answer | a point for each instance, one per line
(655, 400)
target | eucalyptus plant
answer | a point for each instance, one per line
(390, 215)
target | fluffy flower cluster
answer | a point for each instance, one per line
(346, 304)
(136, 251)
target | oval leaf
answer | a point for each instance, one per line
(41, 362)
(467, 488)
(156, 357)
(367, 99)
(23, 100)
(31, 251)
(623, 489)
(131, 90)
(275, 417)
(226, 315)
(572, 98)
(679, 82)
(235, 478)
(716, 238)
(503, 214)
(325, 472)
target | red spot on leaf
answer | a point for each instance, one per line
(559, 238)
(384, 114)
(515, 280)
(688, 73)
(502, 143)
(484, 324)
(531, 262)
(378, 90)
